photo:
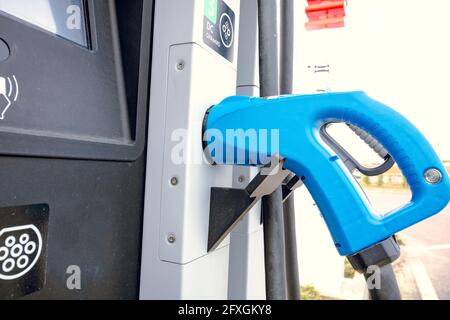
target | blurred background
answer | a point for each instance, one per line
(396, 51)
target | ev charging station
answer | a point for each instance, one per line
(73, 141)
(191, 75)
(107, 190)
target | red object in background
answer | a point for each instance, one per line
(325, 14)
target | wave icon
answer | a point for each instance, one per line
(9, 91)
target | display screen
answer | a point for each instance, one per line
(65, 18)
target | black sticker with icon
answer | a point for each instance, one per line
(219, 28)
(23, 250)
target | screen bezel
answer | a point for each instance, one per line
(105, 50)
(84, 27)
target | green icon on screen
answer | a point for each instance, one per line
(211, 10)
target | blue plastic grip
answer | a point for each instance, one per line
(298, 119)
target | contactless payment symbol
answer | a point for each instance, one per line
(9, 93)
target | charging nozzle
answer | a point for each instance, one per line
(251, 131)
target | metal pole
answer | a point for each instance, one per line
(274, 246)
(287, 46)
(272, 205)
(290, 240)
(268, 47)
(286, 80)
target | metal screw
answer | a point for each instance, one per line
(174, 181)
(180, 65)
(433, 176)
(171, 238)
(241, 179)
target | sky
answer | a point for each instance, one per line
(397, 51)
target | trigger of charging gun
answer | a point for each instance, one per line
(351, 162)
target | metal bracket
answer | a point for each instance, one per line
(290, 184)
(228, 206)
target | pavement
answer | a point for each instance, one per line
(424, 269)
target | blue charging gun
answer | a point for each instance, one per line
(298, 120)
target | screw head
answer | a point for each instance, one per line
(171, 238)
(180, 65)
(174, 181)
(433, 176)
(241, 179)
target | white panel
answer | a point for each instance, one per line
(190, 93)
(179, 98)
